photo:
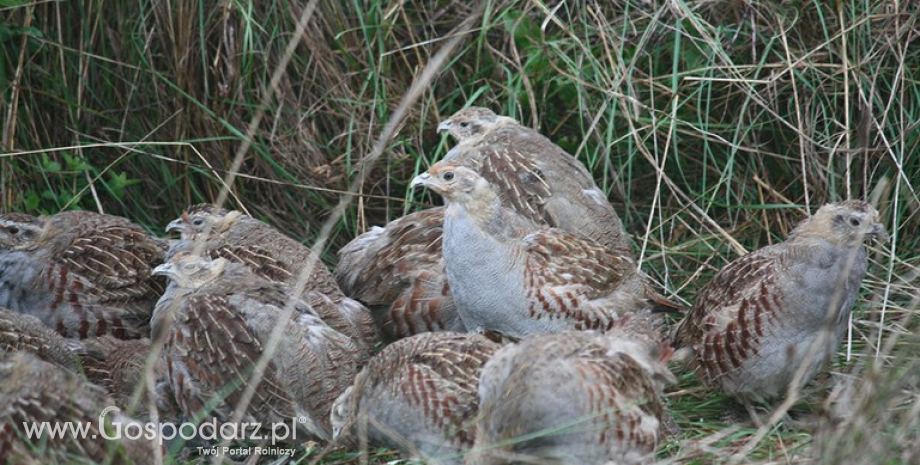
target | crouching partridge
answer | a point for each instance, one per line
(780, 309)
(33, 392)
(83, 274)
(398, 272)
(418, 396)
(219, 319)
(218, 232)
(574, 398)
(512, 276)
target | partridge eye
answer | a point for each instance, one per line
(198, 221)
(448, 176)
(855, 221)
(13, 230)
(464, 124)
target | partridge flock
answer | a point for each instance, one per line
(520, 328)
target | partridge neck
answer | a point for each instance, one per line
(483, 207)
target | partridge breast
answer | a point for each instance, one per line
(516, 277)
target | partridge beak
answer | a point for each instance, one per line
(176, 225)
(879, 233)
(422, 180)
(163, 270)
(444, 126)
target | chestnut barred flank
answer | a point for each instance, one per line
(574, 398)
(83, 274)
(398, 272)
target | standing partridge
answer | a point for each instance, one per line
(229, 234)
(782, 308)
(20, 332)
(418, 396)
(217, 319)
(510, 275)
(35, 393)
(574, 398)
(398, 272)
(83, 274)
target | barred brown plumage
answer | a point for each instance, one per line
(574, 398)
(21, 332)
(533, 177)
(217, 318)
(753, 326)
(33, 391)
(119, 366)
(83, 274)
(419, 396)
(398, 272)
(218, 232)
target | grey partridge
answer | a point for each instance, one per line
(83, 274)
(217, 319)
(577, 398)
(397, 271)
(534, 176)
(33, 392)
(780, 308)
(510, 275)
(217, 232)
(418, 395)
(20, 332)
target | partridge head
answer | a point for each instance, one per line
(455, 183)
(473, 123)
